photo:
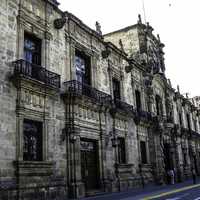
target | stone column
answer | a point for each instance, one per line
(20, 46)
(72, 59)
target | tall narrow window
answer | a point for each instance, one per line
(32, 49)
(180, 119)
(116, 89)
(195, 125)
(184, 159)
(121, 150)
(32, 147)
(82, 65)
(143, 152)
(188, 121)
(158, 105)
(138, 100)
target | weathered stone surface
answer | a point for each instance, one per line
(75, 115)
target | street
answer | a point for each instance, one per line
(191, 194)
(181, 191)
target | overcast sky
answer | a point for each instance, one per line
(177, 22)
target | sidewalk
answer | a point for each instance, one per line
(141, 193)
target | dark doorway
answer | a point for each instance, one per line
(89, 164)
(195, 163)
(167, 157)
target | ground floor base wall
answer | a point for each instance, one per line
(52, 193)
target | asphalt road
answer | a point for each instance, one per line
(191, 194)
(182, 191)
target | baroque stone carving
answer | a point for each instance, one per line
(59, 23)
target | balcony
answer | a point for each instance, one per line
(142, 116)
(122, 105)
(32, 71)
(145, 115)
(170, 119)
(81, 89)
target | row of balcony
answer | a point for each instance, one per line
(31, 71)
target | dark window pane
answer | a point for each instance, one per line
(121, 150)
(116, 89)
(138, 100)
(195, 125)
(32, 150)
(158, 105)
(184, 159)
(188, 121)
(180, 119)
(143, 152)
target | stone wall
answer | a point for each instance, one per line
(71, 112)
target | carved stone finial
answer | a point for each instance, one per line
(121, 45)
(178, 88)
(187, 95)
(98, 28)
(139, 19)
(149, 28)
(158, 36)
(169, 82)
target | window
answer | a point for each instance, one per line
(195, 125)
(143, 152)
(32, 146)
(32, 49)
(138, 100)
(184, 159)
(121, 150)
(180, 119)
(116, 89)
(188, 121)
(158, 105)
(82, 65)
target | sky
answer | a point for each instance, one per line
(176, 21)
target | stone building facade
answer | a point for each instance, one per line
(83, 113)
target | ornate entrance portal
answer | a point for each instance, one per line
(89, 164)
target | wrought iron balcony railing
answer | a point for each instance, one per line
(169, 119)
(78, 88)
(36, 72)
(145, 115)
(123, 105)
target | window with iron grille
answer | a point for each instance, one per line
(116, 89)
(143, 152)
(184, 159)
(188, 121)
(83, 67)
(159, 105)
(138, 100)
(195, 125)
(121, 150)
(32, 49)
(32, 146)
(180, 119)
